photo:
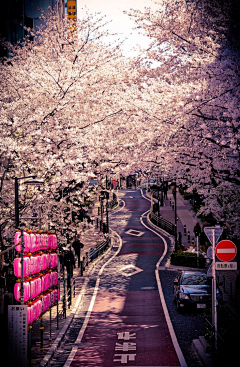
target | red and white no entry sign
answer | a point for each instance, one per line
(226, 250)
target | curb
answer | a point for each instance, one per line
(201, 347)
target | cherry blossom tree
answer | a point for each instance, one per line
(192, 78)
(72, 106)
(63, 102)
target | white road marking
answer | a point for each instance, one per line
(133, 270)
(165, 310)
(86, 320)
(133, 232)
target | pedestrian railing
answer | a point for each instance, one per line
(210, 338)
(162, 223)
(99, 249)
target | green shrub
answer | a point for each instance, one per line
(188, 259)
(188, 195)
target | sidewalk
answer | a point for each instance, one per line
(44, 344)
(186, 217)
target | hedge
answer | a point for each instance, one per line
(187, 259)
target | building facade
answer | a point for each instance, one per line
(15, 14)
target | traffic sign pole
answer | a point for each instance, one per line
(213, 234)
(214, 293)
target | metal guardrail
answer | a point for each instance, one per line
(210, 335)
(99, 249)
(163, 223)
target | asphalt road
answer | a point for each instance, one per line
(127, 322)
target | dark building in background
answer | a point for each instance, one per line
(15, 14)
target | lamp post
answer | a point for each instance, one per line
(101, 207)
(158, 188)
(174, 191)
(107, 219)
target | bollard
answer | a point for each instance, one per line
(97, 222)
(98, 212)
(29, 345)
(68, 273)
(74, 288)
(188, 236)
(57, 317)
(179, 238)
(185, 230)
(86, 258)
(172, 206)
(170, 202)
(69, 297)
(50, 331)
(69, 288)
(41, 328)
(81, 268)
(64, 306)
(64, 295)
(193, 241)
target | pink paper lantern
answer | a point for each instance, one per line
(17, 265)
(26, 291)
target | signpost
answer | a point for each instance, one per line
(214, 233)
(17, 335)
(226, 250)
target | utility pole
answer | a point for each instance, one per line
(174, 191)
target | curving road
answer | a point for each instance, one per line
(127, 323)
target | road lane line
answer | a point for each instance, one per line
(165, 310)
(86, 320)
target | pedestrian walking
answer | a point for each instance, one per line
(77, 246)
(68, 260)
(165, 190)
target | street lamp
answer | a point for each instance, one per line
(101, 207)
(174, 191)
(33, 181)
